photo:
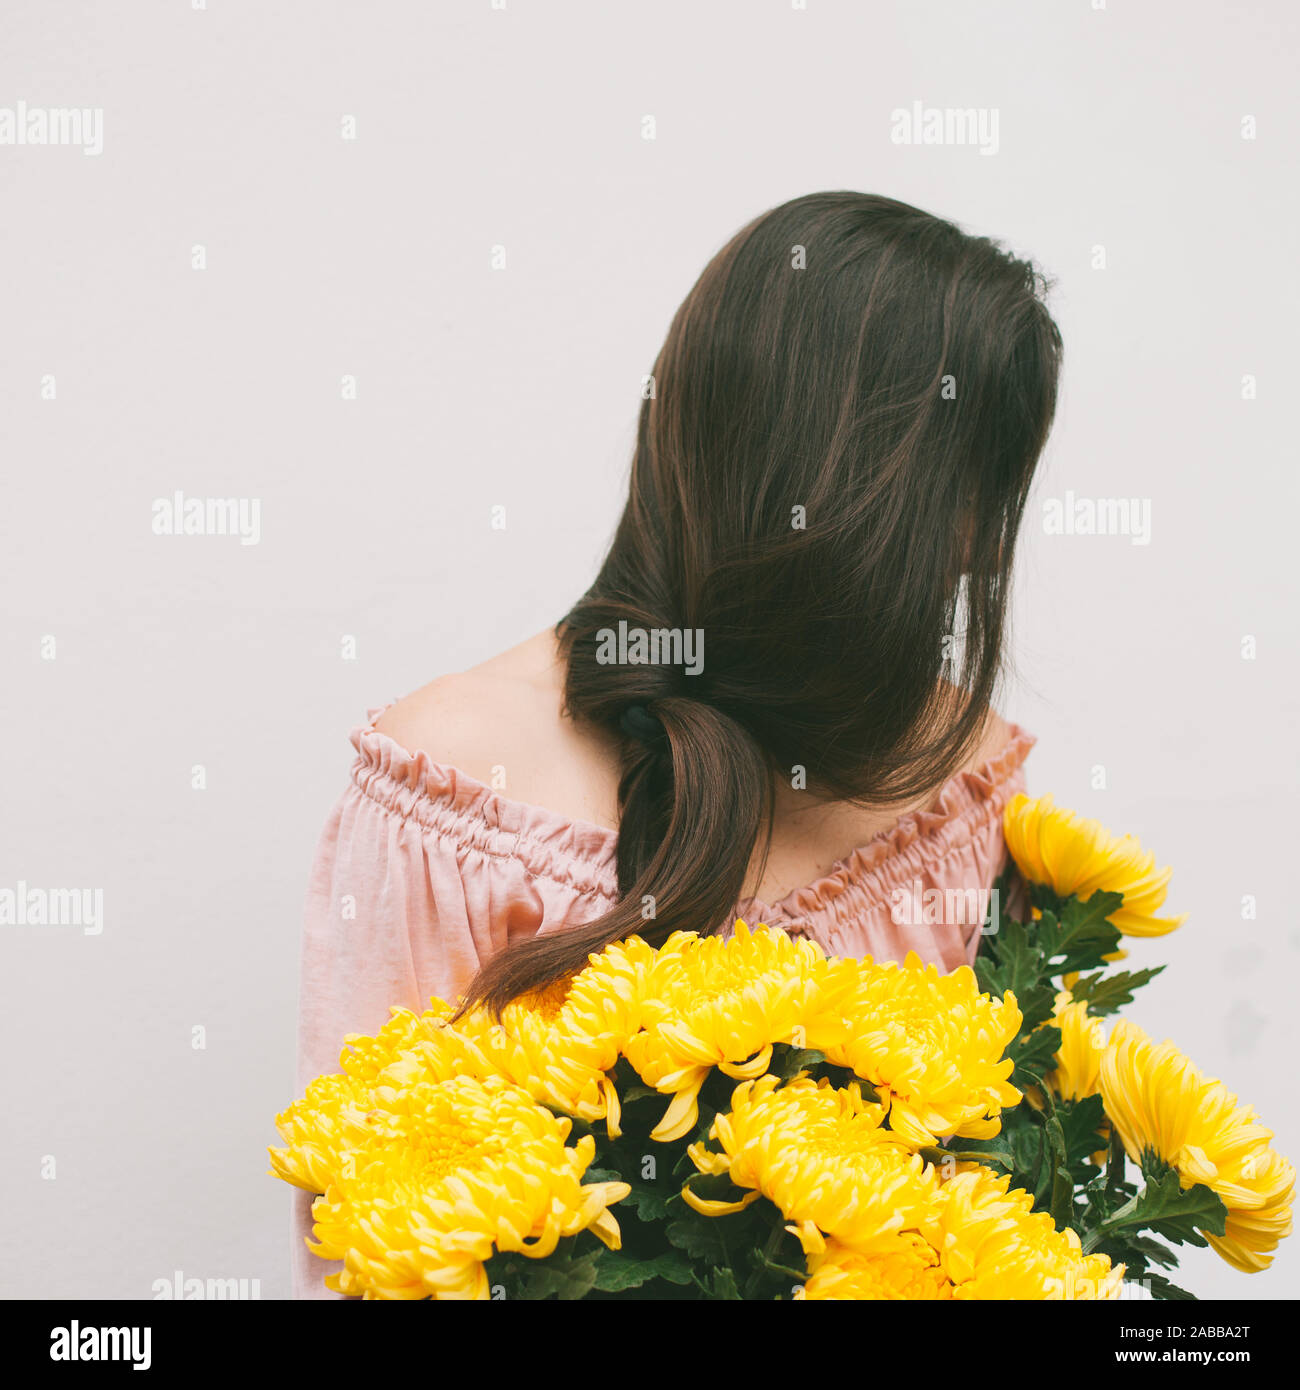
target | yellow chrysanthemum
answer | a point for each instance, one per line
(976, 1239)
(1072, 855)
(1083, 1038)
(993, 1245)
(423, 1180)
(907, 1269)
(724, 1003)
(319, 1131)
(364, 1057)
(1162, 1105)
(559, 1045)
(821, 1155)
(325, 1127)
(930, 1044)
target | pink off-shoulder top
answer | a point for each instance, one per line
(422, 873)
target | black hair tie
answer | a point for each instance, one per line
(637, 722)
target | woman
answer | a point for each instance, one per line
(775, 699)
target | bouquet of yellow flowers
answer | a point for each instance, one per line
(748, 1118)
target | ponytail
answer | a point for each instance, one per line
(695, 798)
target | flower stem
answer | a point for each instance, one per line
(775, 1236)
(1114, 1162)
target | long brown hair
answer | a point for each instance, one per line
(829, 476)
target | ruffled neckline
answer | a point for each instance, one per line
(585, 854)
(955, 814)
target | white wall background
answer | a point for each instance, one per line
(1119, 127)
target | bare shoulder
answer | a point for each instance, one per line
(502, 723)
(463, 719)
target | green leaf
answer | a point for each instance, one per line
(639, 1092)
(1162, 1289)
(1081, 1122)
(1148, 1248)
(1101, 1196)
(1016, 962)
(648, 1201)
(1164, 1206)
(1106, 993)
(1013, 962)
(1080, 937)
(938, 1156)
(602, 1175)
(1027, 1144)
(616, 1271)
(724, 1284)
(1036, 1004)
(1033, 1053)
(562, 1276)
(795, 1060)
(699, 1237)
